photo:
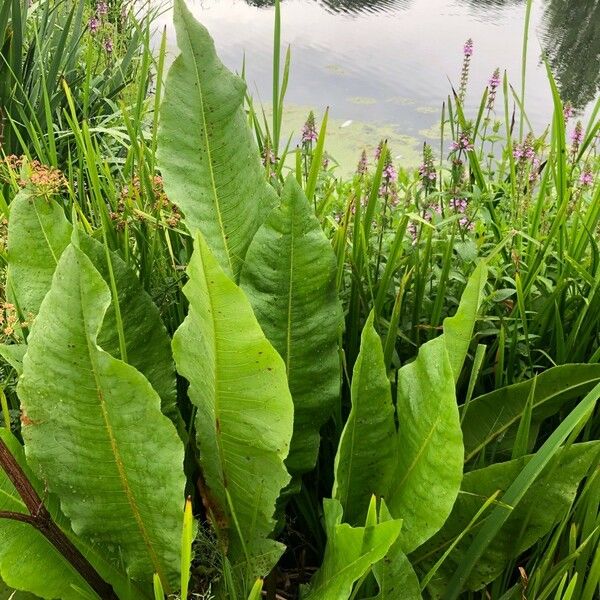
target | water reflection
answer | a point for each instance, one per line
(348, 6)
(572, 42)
(569, 31)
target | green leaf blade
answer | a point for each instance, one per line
(289, 276)
(244, 412)
(38, 232)
(93, 429)
(226, 204)
(430, 458)
(368, 451)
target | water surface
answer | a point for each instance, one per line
(386, 65)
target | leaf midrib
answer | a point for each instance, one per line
(204, 134)
(497, 432)
(92, 350)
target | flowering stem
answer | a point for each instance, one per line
(41, 520)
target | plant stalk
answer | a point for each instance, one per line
(40, 519)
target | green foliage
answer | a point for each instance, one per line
(31, 266)
(368, 451)
(545, 503)
(437, 446)
(350, 552)
(96, 441)
(244, 413)
(227, 206)
(289, 276)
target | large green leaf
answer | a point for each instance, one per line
(458, 329)
(394, 574)
(491, 415)
(289, 276)
(38, 232)
(28, 561)
(94, 431)
(147, 342)
(430, 456)
(207, 155)
(543, 505)
(368, 450)
(349, 553)
(245, 412)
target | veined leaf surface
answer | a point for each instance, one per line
(430, 453)
(147, 342)
(94, 430)
(491, 415)
(207, 155)
(289, 277)
(394, 574)
(38, 232)
(458, 329)
(24, 549)
(245, 412)
(368, 450)
(542, 506)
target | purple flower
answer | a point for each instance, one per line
(567, 111)
(577, 137)
(494, 84)
(586, 178)
(465, 223)
(363, 165)
(389, 172)
(459, 205)
(101, 8)
(468, 48)
(309, 131)
(93, 25)
(463, 143)
(495, 80)
(427, 169)
(108, 45)
(464, 76)
(378, 150)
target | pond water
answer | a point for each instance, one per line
(386, 65)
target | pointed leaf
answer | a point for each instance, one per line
(13, 354)
(289, 276)
(394, 573)
(207, 155)
(28, 561)
(543, 505)
(146, 340)
(458, 329)
(491, 415)
(93, 429)
(39, 229)
(245, 412)
(349, 554)
(430, 457)
(368, 451)
(38, 232)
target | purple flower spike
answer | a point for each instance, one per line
(309, 131)
(93, 25)
(468, 48)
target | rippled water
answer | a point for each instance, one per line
(385, 65)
